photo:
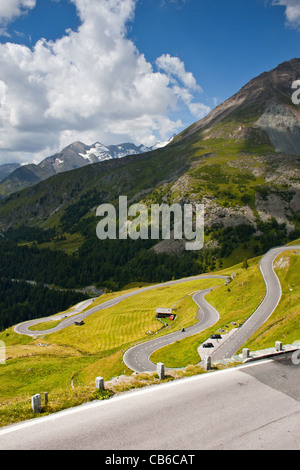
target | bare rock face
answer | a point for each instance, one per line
(282, 124)
(274, 207)
(228, 216)
(257, 98)
(295, 202)
(174, 247)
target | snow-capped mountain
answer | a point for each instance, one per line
(78, 154)
(99, 152)
(160, 145)
(71, 157)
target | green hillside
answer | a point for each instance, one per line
(249, 208)
(237, 301)
(74, 356)
(246, 176)
(66, 363)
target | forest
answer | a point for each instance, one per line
(110, 264)
(20, 301)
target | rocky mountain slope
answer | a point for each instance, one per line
(6, 169)
(242, 161)
(263, 103)
(76, 155)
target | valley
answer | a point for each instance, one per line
(242, 162)
(66, 362)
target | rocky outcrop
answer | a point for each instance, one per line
(282, 124)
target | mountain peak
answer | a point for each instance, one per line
(270, 92)
(75, 155)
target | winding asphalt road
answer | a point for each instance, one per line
(265, 309)
(255, 406)
(71, 317)
(137, 357)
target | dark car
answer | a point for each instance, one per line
(216, 336)
(208, 345)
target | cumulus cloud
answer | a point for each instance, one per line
(184, 84)
(292, 11)
(10, 9)
(92, 84)
(174, 67)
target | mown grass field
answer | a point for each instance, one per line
(132, 320)
(65, 364)
(237, 301)
(234, 302)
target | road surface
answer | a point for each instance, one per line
(263, 312)
(23, 328)
(137, 358)
(250, 407)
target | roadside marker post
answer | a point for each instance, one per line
(246, 353)
(160, 368)
(99, 382)
(36, 403)
(2, 352)
(207, 363)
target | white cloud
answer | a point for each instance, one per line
(174, 67)
(92, 84)
(292, 11)
(183, 83)
(10, 9)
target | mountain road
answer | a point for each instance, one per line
(74, 315)
(137, 357)
(254, 406)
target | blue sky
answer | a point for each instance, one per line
(128, 70)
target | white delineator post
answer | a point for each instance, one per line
(160, 368)
(2, 352)
(207, 363)
(99, 382)
(36, 403)
(246, 353)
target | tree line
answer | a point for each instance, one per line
(110, 264)
(20, 301)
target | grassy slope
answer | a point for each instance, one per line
(75, 356)
(129, 321)
(284, 324)
(237, 301)
(234, 302)
(206, 162)
(129, 175)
